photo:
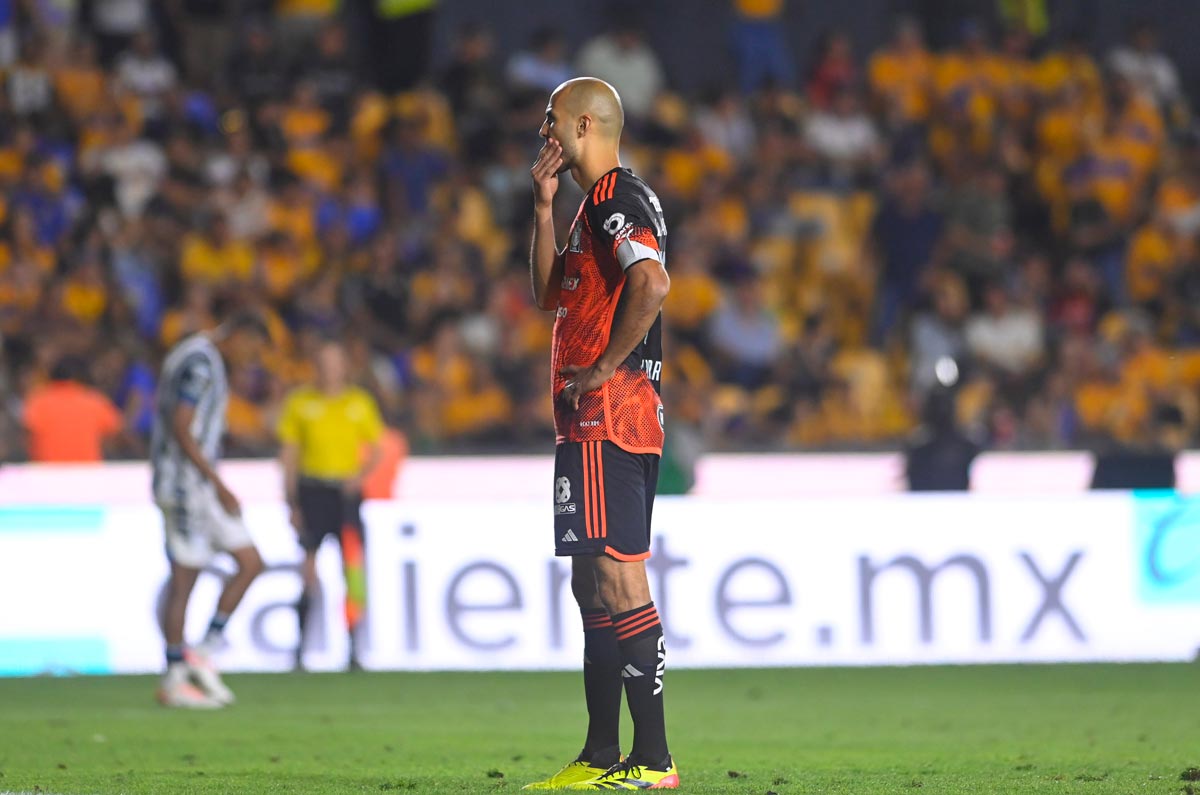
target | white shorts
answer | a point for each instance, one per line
(199, 527)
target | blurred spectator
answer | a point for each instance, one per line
(209, 30)
(745, 336)
(833, 70)
(471, 83)
(413, 168)
(146, 73)
(979, 235)
(543, 65)
(1141, 62)
(30, 89)
(211, 255)
(905, 236)
(401, 37)
(725, 123)
(901, 77)
(939, 335)
(298, 22)
(68, 421)
(331, 72)
(116, 22)
(940, 457)
(471, 75)
(135, 165)
(123, 374)
(80, 83)
(9, 44)
(845, 139)
(257, 71)
(1003, 336)
(760, 44)
(623, 58)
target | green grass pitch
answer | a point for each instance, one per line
(1008, 729)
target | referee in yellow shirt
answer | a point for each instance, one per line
(330, 437)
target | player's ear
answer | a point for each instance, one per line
(583, 125)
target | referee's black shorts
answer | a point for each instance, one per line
(325, 510)
(603, 500)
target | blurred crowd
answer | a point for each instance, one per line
(1014, 216)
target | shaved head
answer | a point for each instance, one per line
(582, 129)
(594, 98)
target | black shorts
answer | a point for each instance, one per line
(325, 510)
(603, 500)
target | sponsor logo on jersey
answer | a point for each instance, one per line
(570, 283)
(575, 243)
(614, 223)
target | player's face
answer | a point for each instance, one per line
(559, 129)
(331, 366)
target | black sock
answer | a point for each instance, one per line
(643, 663)
(602, 687)
(174, 654)
(302, 606)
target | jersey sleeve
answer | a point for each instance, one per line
(625, 222)
(288, 427)
(195, 378)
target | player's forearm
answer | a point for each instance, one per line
(544, 260)
(192, 452)
(644, 296)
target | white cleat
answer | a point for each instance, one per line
(204, 674)
(182, 694)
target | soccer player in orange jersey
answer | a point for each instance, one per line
(607, 288)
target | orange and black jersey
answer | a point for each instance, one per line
(619, 223)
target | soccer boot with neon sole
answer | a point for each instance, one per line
(177, 692)
(627, 775)
(572, 773)
(204, 674)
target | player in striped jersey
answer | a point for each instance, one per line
(201, 516)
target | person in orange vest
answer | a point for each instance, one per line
(67, 420)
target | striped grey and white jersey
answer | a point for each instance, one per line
(193, 374)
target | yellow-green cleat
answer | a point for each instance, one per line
(625, 775)
(572, 773)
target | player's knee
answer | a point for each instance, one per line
(250, 563)
(583, 588)
(616, 596)
(622, 586)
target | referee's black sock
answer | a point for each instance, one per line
(602, 687)
(302, 607)
(643, 663)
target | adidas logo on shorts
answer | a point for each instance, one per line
(570, 537)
